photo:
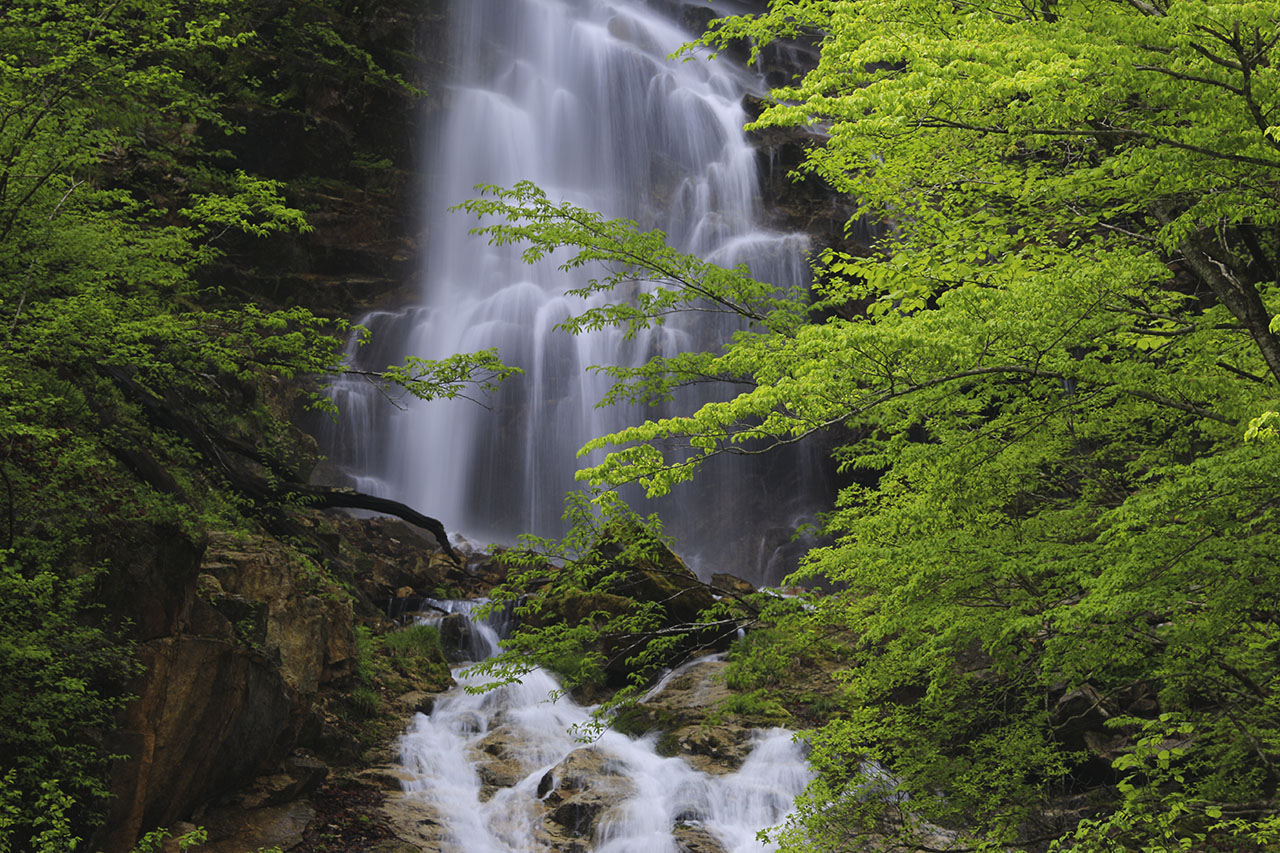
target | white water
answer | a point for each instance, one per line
(578, 96)
(440, 752)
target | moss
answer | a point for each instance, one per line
(638, 720)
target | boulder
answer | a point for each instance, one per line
(577, 792)
(691, 838)
(499, 761)
(731, 584)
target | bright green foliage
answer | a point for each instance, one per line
(1038, 383)
(596, 607)
(130, 394)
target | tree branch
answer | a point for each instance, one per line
(266, 494)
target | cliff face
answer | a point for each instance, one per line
(237, 638)
(350, 145)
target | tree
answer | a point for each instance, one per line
(131, 394)
(1054, 546)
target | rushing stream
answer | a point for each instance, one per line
(580, 97)
(642, 797)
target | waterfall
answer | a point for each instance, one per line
(579, 97)
(638, 800)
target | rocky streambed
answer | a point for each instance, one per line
(509, 770)
(383, 750)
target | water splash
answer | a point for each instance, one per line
(445, 754)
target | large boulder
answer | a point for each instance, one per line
(686, 711)
(577, 793)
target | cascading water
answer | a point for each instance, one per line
(579, 97)
(642, 797)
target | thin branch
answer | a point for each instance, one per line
(1146, 8)
(1192, 78)
(934, 122)
(1244, 374)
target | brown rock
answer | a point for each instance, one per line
(691, 838)
(309, 622)
(277, 826)
(209, 713)
(580, 789)
(732, 584)
(698, 686)
(713, 749)
(499, 762)
(417, 702)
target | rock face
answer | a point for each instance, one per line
(579, 791)
(248, 635)
(308, 624)
(349, 145)
(395, 565)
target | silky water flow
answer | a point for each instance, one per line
(581, 97)
(651, 794)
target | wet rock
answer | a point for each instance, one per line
(697, 687)
(503, 760)
(417, 702)
(656, 576)
(499, 761)
(457, 637)
(716, 749)
(582, 788)
(691, 838)
(414, 821)
(731, 584)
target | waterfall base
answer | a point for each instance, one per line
(501, 771)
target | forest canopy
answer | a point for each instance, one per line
(1053, 560)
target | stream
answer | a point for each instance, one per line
(615, 795)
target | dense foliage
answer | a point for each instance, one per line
(1055, 550)
(131, 391)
